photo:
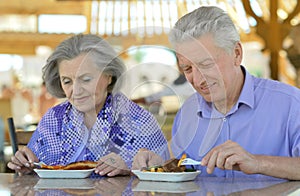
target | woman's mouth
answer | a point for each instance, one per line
(80, 99)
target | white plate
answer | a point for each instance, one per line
(166, 176)
(46, 173)
(166, 187)
(47, 183)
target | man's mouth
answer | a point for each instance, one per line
(206, 86)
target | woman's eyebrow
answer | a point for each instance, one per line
(63, 77)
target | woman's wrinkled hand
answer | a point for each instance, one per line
(112, 165)
(112, 186)
(146, 158)
(22, 161)
(23, 185)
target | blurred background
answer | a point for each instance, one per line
(137, 29)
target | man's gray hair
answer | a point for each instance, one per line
(206, 20)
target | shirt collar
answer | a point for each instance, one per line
(247, 94)
(207, 109)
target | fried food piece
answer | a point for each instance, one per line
(52, 167)
(80, 165)
(181, 159)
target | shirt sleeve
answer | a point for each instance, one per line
(46, 138)
(295, 132)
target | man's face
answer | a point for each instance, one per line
(208, 68)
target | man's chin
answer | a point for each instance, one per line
(206, 96)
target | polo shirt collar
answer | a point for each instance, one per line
(207, 109)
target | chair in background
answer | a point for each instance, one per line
(2, 135)
(12, 134)
(5, 112)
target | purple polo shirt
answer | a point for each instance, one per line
(265, 120)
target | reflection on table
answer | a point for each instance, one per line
(12, 184)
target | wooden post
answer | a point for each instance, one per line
(273, 31)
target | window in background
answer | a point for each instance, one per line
(149, 69)
(9, 62)
(62, 23)
(17, 23)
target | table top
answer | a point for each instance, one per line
(12, 184)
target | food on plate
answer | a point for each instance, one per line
(52, 167)
(171, 165)
(77, 192)
(80, 165)
(181, 159)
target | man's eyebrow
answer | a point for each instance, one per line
(182, 66)
(208, 59)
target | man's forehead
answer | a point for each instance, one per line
(191, 50)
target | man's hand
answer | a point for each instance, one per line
(231, 156)
(146, 158)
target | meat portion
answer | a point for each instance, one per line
(52, 167)
(80, 165)
(171, 165)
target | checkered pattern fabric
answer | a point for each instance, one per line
(122, 127)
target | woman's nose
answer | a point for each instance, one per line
(77, 88)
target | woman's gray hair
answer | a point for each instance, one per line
(206, 20)
(103, 55)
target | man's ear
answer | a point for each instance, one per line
(238, 54)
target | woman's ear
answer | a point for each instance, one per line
(109, 79)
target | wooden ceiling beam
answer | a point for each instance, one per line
(43, 7)
(74, 10)
(133, 40)
(26, 43)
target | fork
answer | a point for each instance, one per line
(39, 164)
(189, 161)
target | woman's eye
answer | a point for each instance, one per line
(65, 81)
(86, 79)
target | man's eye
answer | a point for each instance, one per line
(188, 69)
(205, 66)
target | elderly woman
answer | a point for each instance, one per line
(95, 123)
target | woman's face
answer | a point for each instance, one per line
(84, 83)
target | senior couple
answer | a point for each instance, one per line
(235, 123)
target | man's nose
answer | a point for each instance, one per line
(198, 76)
